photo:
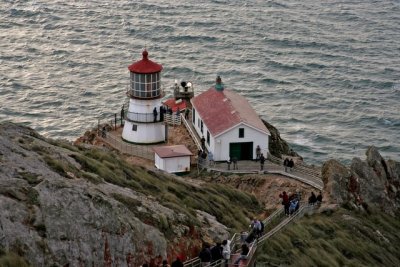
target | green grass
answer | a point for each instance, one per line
(335, 240)
(12, 260)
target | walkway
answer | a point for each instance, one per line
(248, 166)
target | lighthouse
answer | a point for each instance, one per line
(144, 121)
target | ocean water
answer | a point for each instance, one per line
(325, 73)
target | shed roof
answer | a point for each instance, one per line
(222, 110)
(172, 151)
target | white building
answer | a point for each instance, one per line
(144, 119)
(229, 124)
(172, 159)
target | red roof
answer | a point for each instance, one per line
(222, 110)
(171, 103)
(172, 151)
(145, 66)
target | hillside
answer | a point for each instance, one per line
(336, 238)
(63, 204)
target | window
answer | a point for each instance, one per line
(194, 115)
(134, 127)
(241, 132)
(208, 138)
(201, 127)
(198, 123)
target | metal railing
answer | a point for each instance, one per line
(143, 117)
(191, 133)
(145, 94)
(173, 119)
(127, 148)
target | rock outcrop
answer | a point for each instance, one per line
(370, 183)
(59, 207)
(277, 145)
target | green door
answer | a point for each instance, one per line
(242, 151)
(235, 150)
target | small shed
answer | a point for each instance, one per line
(172, 159)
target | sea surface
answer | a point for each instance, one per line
(325, 73)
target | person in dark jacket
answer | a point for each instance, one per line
(286, 164)
(177, 263)
(285, 202)
(205, 255)
(291, 164)
(243, 254)
(155, 114)
(216, 252)
(262, 161)
(312, 199)
(319, 198)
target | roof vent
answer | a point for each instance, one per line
(225, 99)
(219, 86)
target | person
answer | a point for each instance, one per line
(155, 113)
(177, 262)
(178, 113)
(243, 254)
(286, 164)
(293, 206)
(234, 161)
(203, 142)
(226, 251)
(291, 164)
(216, 252)
(312, 199)
(187, 113)
(211, 158)
(104, 132)
(229, 161)
(164, 264)
(262, 160)
(258, 153)
(205, 255)
(122, 115)
(319, 197)
(243, 236)
(256, 227)
(162, 112)
(285, 202)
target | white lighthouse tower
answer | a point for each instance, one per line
(144, 119)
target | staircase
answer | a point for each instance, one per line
(251, 258)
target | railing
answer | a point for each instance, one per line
(143, 117)
(145, 94)
(173, 119)
(191, 133)
(130, 149)
(300, 168)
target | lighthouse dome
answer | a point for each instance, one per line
(145, 65)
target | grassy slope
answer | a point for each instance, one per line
(342, 238)
(230, 206)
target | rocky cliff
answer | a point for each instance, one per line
(365, 184)
(63, 205)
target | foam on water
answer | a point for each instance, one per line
(326, 74)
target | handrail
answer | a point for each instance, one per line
(191, 133)
(300, 168)
(143, 117)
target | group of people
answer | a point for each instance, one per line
(288, 163)
(220, 251)
(291, 203)
(313, 199)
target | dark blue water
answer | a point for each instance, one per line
(327, 74)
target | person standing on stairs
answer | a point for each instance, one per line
(262, 160)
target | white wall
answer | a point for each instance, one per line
(146, 133)
(173, 165)
(250, 135)
(220, 146)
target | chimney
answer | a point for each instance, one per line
(219, 86)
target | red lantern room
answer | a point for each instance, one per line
(145, 80)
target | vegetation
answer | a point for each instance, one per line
(341, 238)
(99, 166)
(12, 260)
